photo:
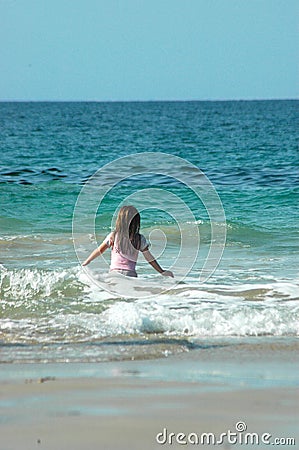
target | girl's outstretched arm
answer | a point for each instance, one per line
(154, 263)
(97, 252)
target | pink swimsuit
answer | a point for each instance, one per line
(121, 263)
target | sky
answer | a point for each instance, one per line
(122, 50)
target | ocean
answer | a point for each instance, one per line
(246, 152)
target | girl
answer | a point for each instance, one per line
(125, 243)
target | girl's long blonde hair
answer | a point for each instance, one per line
(127, 230)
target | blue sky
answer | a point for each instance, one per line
(148, 49)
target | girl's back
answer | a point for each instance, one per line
(123, 254)
(125, 243)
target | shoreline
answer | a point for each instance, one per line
(252, 363)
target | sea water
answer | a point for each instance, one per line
(51, 309)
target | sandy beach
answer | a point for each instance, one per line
(125, 405)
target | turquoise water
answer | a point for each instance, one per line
(51, 310)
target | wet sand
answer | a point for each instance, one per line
(128, 414)
(123, 405)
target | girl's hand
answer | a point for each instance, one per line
(167, 273)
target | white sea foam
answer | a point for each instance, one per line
(236, 318)
(53, 306)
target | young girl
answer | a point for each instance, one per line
(125, 243)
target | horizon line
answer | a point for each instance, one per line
(147, 101)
